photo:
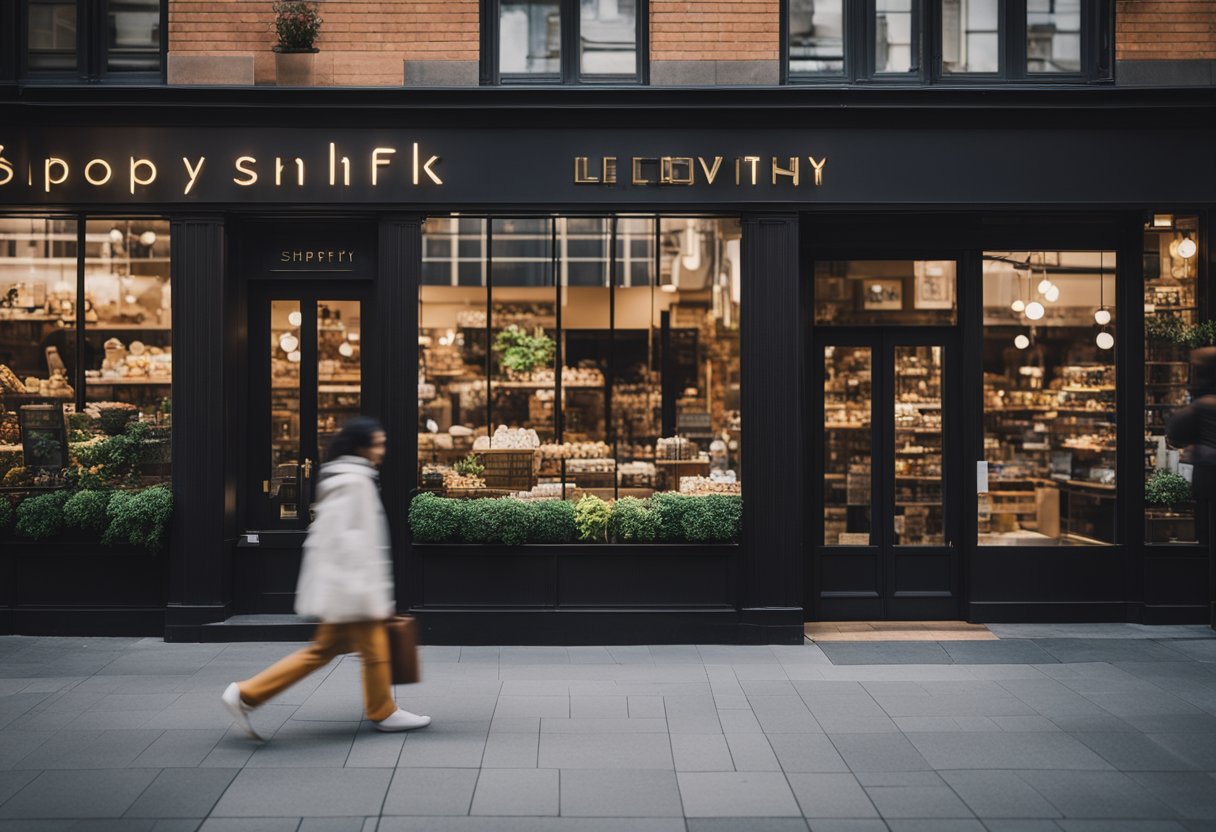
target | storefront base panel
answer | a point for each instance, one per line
(1048, 612)
(594, 627)
(1180, 614)
(82, 589)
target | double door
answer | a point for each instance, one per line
(887, 455)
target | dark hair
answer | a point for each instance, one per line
(354, 437)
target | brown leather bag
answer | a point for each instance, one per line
(403, 648)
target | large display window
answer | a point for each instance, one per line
(1049, 388)
(85, 368)
(561, 358)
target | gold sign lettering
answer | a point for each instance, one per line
(278, 171)
(333, 173)
(241, 167)
(88, 172)
(47, 179)
(192, 172)
(136, 165)
(316, 256)
(676, 170)
(6, 170)
(639, 178)
(710, 173)
(581, 177)
(818, 166)
(425, 168)
(377, 162)
(791, 171)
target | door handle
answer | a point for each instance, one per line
(265, 486)
(307, 466)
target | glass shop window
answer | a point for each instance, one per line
(1171, 329)
(1053, 36)
(886, 292)
(1049, 388)
(568, 40)
(971, 36)
(816, 37)
(577, 368)
(51, 36)
(85, 378)
(95, 40)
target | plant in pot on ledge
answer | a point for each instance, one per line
(297, 25)
(1168, 494)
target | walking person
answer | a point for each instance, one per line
(1194, 428)
(346, 581)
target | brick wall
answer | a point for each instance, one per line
(714, 30)
(361, 43)
(1161, 30)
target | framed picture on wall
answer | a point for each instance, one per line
(934, 286)
(882, 294)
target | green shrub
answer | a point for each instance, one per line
(86, 510)
(6, 514)
(1166, 489)
(668, 510)
(433, 519)
(470, 466)
(41, 517)
(632, 521)
(591, 519)
(119, 456)
(140, 518)
(551, 521)
(506, 519)
(522, 353)
(716, 518)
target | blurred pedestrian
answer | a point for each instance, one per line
(346, 581)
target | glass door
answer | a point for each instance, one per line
(886, 482)
(307, 381)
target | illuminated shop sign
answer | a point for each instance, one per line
(691, 170)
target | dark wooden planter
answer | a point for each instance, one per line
(81, 587)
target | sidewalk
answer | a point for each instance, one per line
(1106, 729)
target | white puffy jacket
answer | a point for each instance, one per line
(347, 572)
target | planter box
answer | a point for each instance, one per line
(296, 68)
(574, 576)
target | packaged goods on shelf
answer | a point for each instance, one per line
(574, 450)
(637, 474)
(579, 466)
(708, 485)
(676, 447)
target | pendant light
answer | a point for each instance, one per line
(1102, 315)
(1021, 341)
(1034, 310)
(1187, 247)
(1018, 305)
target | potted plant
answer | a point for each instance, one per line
(521, 353)
(1167, 495)
(297, 25)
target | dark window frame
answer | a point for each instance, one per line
(570, 74)
(1097, 49)
(92, 47)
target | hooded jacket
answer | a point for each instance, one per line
(346, 574)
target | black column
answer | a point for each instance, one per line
(772, 360)
(396, 375)
(200, 548)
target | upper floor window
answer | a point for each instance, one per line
(563, 41)
(948, 41)
(92, 39)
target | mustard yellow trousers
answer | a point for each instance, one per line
(367, 638)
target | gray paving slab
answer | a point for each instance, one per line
(374, 749)
(784, 715)
(182, 793)
(250, 825)
(620, 794)
(701, 752)
(827, 795)
(752, 752)
(886, 653)
(511, 750)
(522, 792)
(310, 792)
(444, 746)
(1191, 794)
(1108, 795)
(1006, 750)
(999, 794)
(307, 744)
(879, 752)
(1129, 751)
(353, 824)
(1199, 748)
(96, 793)
(12, 782)
(179, 747)
(530, 824)
(605, 751)
(807, 753)
(646, 707)
(749, 824)
(997, 652)
(714, 794)
(431, 791)
(917, 802)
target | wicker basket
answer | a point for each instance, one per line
(510, 468)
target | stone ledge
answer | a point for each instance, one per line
(714, 73)
(1164, 73)
(441, 74)
(225, 70)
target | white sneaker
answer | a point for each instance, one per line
(402, 721)
(231, 697)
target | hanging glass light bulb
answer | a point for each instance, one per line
(1018, 305)
(1044, 285)
(1102, 317)
(1052, 294)
(295, 318)
(1105, 340)
(1102, 314)
(288, 342)
(1034, 310)
(1021, 342)
(1187, 248)
(345, 349)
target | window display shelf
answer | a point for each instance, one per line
(159, 381)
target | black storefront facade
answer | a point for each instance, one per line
(999, 189)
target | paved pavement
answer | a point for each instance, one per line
(1100, 729)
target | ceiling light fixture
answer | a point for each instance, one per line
(1021, 342)
(1034, 310)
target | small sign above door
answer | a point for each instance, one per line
(322, 249)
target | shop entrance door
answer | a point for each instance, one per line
(306, 381)
(886, 484)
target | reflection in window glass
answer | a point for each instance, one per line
(851, 292)
(1049, 398)
(816, 37)
(1053, 35)
(847, 438)
(894, 36)
(286, 347)
(607, 37)
(52, 35)
(970, 36)
(919, 509)
(529, 37)
(612, 383)
(134, 36)
(339, 368)
(1171, 273)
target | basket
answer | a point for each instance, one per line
(475, 493)
(511, 468)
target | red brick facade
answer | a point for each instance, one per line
(1161, 30)
(714, 30)
(362, 43)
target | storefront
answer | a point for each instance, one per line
(645, 377)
